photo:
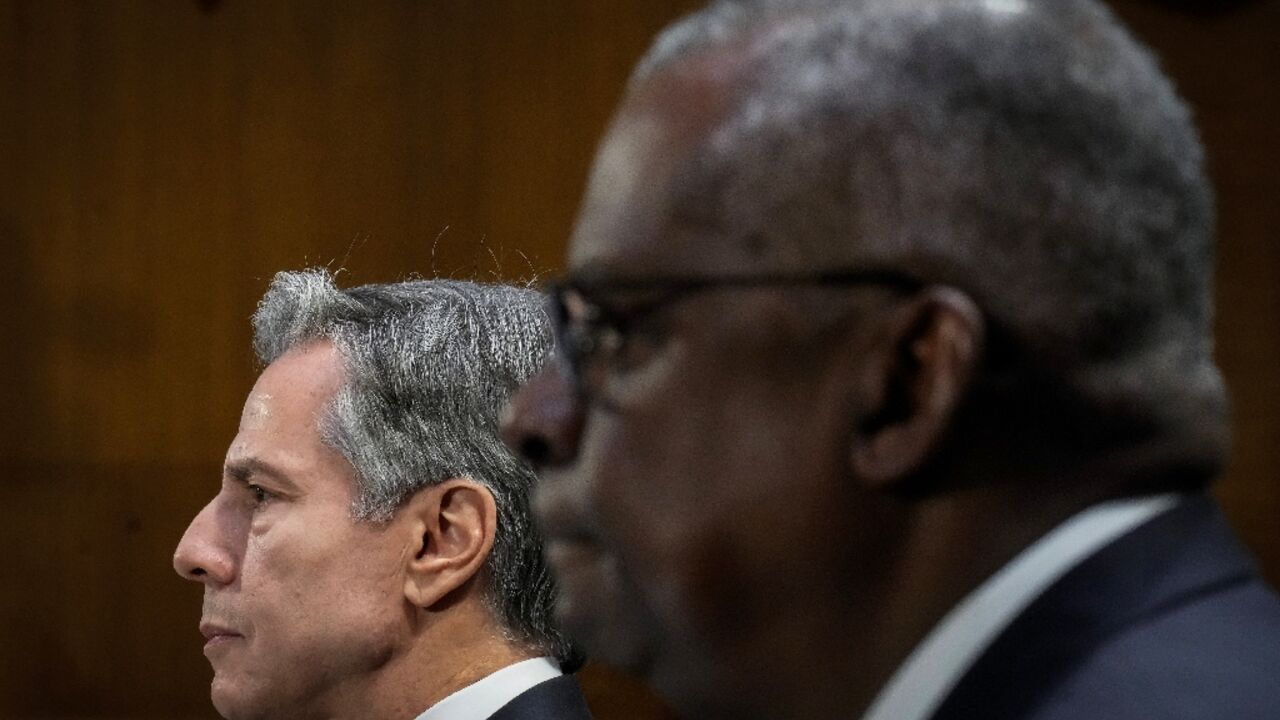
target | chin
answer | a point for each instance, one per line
(224, 698)
(596, 608)
(230, 700)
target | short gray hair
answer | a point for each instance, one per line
(428, 367)
(1028, 152)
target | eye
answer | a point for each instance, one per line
(259, 494)
(622, 351)
(605, 339)
(609, 341)
(596, 336)
(629, 348)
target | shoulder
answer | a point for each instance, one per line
(555, 699)
(1169, 622)
(1217, 656)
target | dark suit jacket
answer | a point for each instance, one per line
(555, 699)
(1169, 621)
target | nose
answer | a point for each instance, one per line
(201, 554)
(543, 422)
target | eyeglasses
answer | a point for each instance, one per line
(590, 335)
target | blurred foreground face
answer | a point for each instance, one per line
(869, 303)
(300, 600)
(680, 531)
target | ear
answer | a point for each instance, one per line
(914, 381)
(454, 525)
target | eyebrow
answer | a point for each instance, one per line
(243, 470)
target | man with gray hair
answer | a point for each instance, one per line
(370, 552)
(885, 383)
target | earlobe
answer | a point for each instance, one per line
(453, 524)
(915, 381)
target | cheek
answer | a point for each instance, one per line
(655, 501)
(302, 587)
(706, 509)
(675, 474)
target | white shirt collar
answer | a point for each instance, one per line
(920, 685)
(486, 696)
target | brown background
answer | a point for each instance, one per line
(160, 159)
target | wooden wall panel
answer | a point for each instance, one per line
(1227, 63)
(162, 158)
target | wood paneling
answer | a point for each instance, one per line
(1227, 64)
(162, 158)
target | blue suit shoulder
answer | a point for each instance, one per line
(1215, 657)
(1169, 622)
(559, 698)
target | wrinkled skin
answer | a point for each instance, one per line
(302, 603)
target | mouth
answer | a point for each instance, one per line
(216, 635)
(564, 520)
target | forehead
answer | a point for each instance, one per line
(299, 382)
(281, 414)
(629, 219)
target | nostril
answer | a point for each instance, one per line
(535, 450)
(197, 572)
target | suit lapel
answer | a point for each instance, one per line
(555, 699)
(1178, 556)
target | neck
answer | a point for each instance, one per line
(944, 548)
(448, 651)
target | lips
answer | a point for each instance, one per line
(580, 566)
(563, 515)
(563, 551)
(216, 635)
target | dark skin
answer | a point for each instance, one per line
(728, 516)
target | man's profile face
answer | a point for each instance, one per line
(300, 601)
(700, 504)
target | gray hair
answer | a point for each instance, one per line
(1028, 152)
(428, 367)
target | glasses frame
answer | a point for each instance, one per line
(596, 326)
